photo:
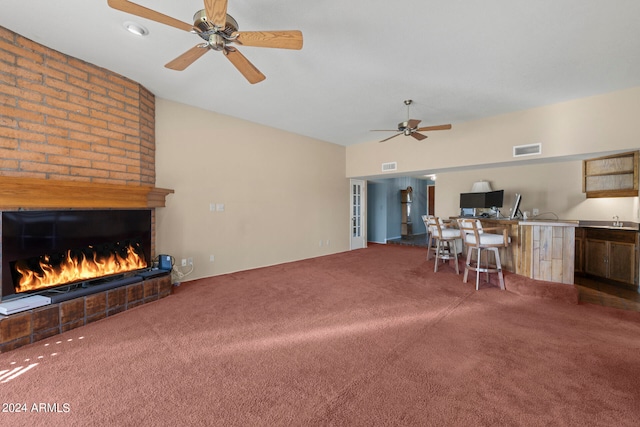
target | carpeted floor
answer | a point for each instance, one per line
(367, 338)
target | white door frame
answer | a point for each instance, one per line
(357, 214)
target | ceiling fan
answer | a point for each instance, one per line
(219, 31)
(410, 127)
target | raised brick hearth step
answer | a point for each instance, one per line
(34, 325)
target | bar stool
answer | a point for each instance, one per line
(425, 219)
(476, 238)
(445, 241)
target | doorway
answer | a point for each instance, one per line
(383, 208)
(431, 199)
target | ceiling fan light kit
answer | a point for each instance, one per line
(218, 30)
(410, 127)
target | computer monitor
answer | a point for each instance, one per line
(515, 211)
(493, 199)
(472, 200)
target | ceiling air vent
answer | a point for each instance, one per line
(390, 166)
(527, 150)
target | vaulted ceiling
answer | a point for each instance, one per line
(457, 60)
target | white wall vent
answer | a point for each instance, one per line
(527, 150)
(390, 166)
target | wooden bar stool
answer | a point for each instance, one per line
(445, 241)
(425, 219)
(476, 238)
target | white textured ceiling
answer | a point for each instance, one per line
(458, 60)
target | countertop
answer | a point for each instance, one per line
(607, 225)
(530, 221)
(626, 225)
(550, 222)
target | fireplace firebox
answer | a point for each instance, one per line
(45, 251)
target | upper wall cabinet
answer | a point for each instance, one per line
(611, 176)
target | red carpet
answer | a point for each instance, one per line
(366, 338)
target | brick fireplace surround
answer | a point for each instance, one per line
(73, 136)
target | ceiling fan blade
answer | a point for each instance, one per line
(439, 127)
(413, 123)
(248, 70)
(393, 136)
(187, 58)
(143, 12)
(383, 130)
(216, 11)
(418, 136)
(277, 39)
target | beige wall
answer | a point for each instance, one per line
(590, 125)
(555, 189)
(283, 194)
(483, 149)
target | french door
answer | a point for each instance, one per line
(357, 211)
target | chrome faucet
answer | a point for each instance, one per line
(616, 222)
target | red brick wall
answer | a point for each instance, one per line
(63, 118)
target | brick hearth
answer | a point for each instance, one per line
(34, 325)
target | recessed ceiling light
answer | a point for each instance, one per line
(135, 28)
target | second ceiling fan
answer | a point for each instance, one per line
(410, 127)
(219, 31)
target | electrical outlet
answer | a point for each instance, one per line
(535, 211)
(211, 258)
(190, 261)
(184, 262)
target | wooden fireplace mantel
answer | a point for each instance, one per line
(17, 192)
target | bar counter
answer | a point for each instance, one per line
(539, 249)
(548, 250)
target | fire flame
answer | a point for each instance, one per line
(75, 268)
